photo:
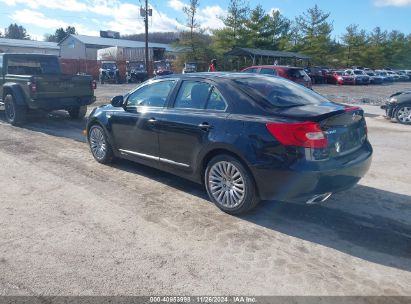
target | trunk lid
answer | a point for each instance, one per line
(344, 127)
(345, 132)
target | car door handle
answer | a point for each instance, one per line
(205, 126)
(152, 120)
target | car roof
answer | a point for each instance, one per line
(274, 66)
(217, 75)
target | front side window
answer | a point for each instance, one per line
(151, 95)
(268, 71)
(199, 95)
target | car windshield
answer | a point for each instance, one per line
(190, 66)
(339, 73)
(358, 72)
(137, 66)
(370, 74)
(279, 92)
(162, 65)
(33, 66)
(109, 66)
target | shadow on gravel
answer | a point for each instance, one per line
(377, 237)
(373, 231)
(56, 123)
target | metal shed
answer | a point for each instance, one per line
(28, 46)
(258, 56)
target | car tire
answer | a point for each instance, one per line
(99, 146)
(230, 185)
(403, 114)
(78, 112)
(15, 114)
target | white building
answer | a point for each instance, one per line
(86, 47)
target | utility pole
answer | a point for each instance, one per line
(146, 30)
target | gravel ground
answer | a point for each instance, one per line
(70, 226)
(368, 95)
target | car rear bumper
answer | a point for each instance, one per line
(50, 104)
(303, 180)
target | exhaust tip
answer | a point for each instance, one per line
(319, 198)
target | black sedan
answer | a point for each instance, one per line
(398, 106)
(246, 137)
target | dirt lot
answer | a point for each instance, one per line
(70, 226)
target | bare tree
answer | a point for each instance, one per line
(191, 12)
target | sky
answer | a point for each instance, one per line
(89, 16)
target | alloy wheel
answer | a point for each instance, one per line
(404, 114)
(98, 143)
(226, 184)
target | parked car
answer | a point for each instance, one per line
(385, 76)
(394, 75)
(162, 67)
(398, 106)
(136, 71)
(374, 78)
(31, 82)
(190, 67)
(318, 75)
(359, 76)
(403, 75)
(109, 72)
(340, 78)
(295, 74)
(245, 136)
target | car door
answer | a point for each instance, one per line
(195, 119)
(135, 127)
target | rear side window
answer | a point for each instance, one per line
(250, 70)
(268, 71)
(296, 73)
(279, 92)
(33, 66)
(199, 95)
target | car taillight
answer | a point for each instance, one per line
(93, 85)
(302, 134)
(351, 109)
(32, 86)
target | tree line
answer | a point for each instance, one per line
(309, 33)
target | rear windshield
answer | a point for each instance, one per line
(279, 92)
(33, 66)
(296, 73)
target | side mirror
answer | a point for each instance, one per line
(117, 101)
